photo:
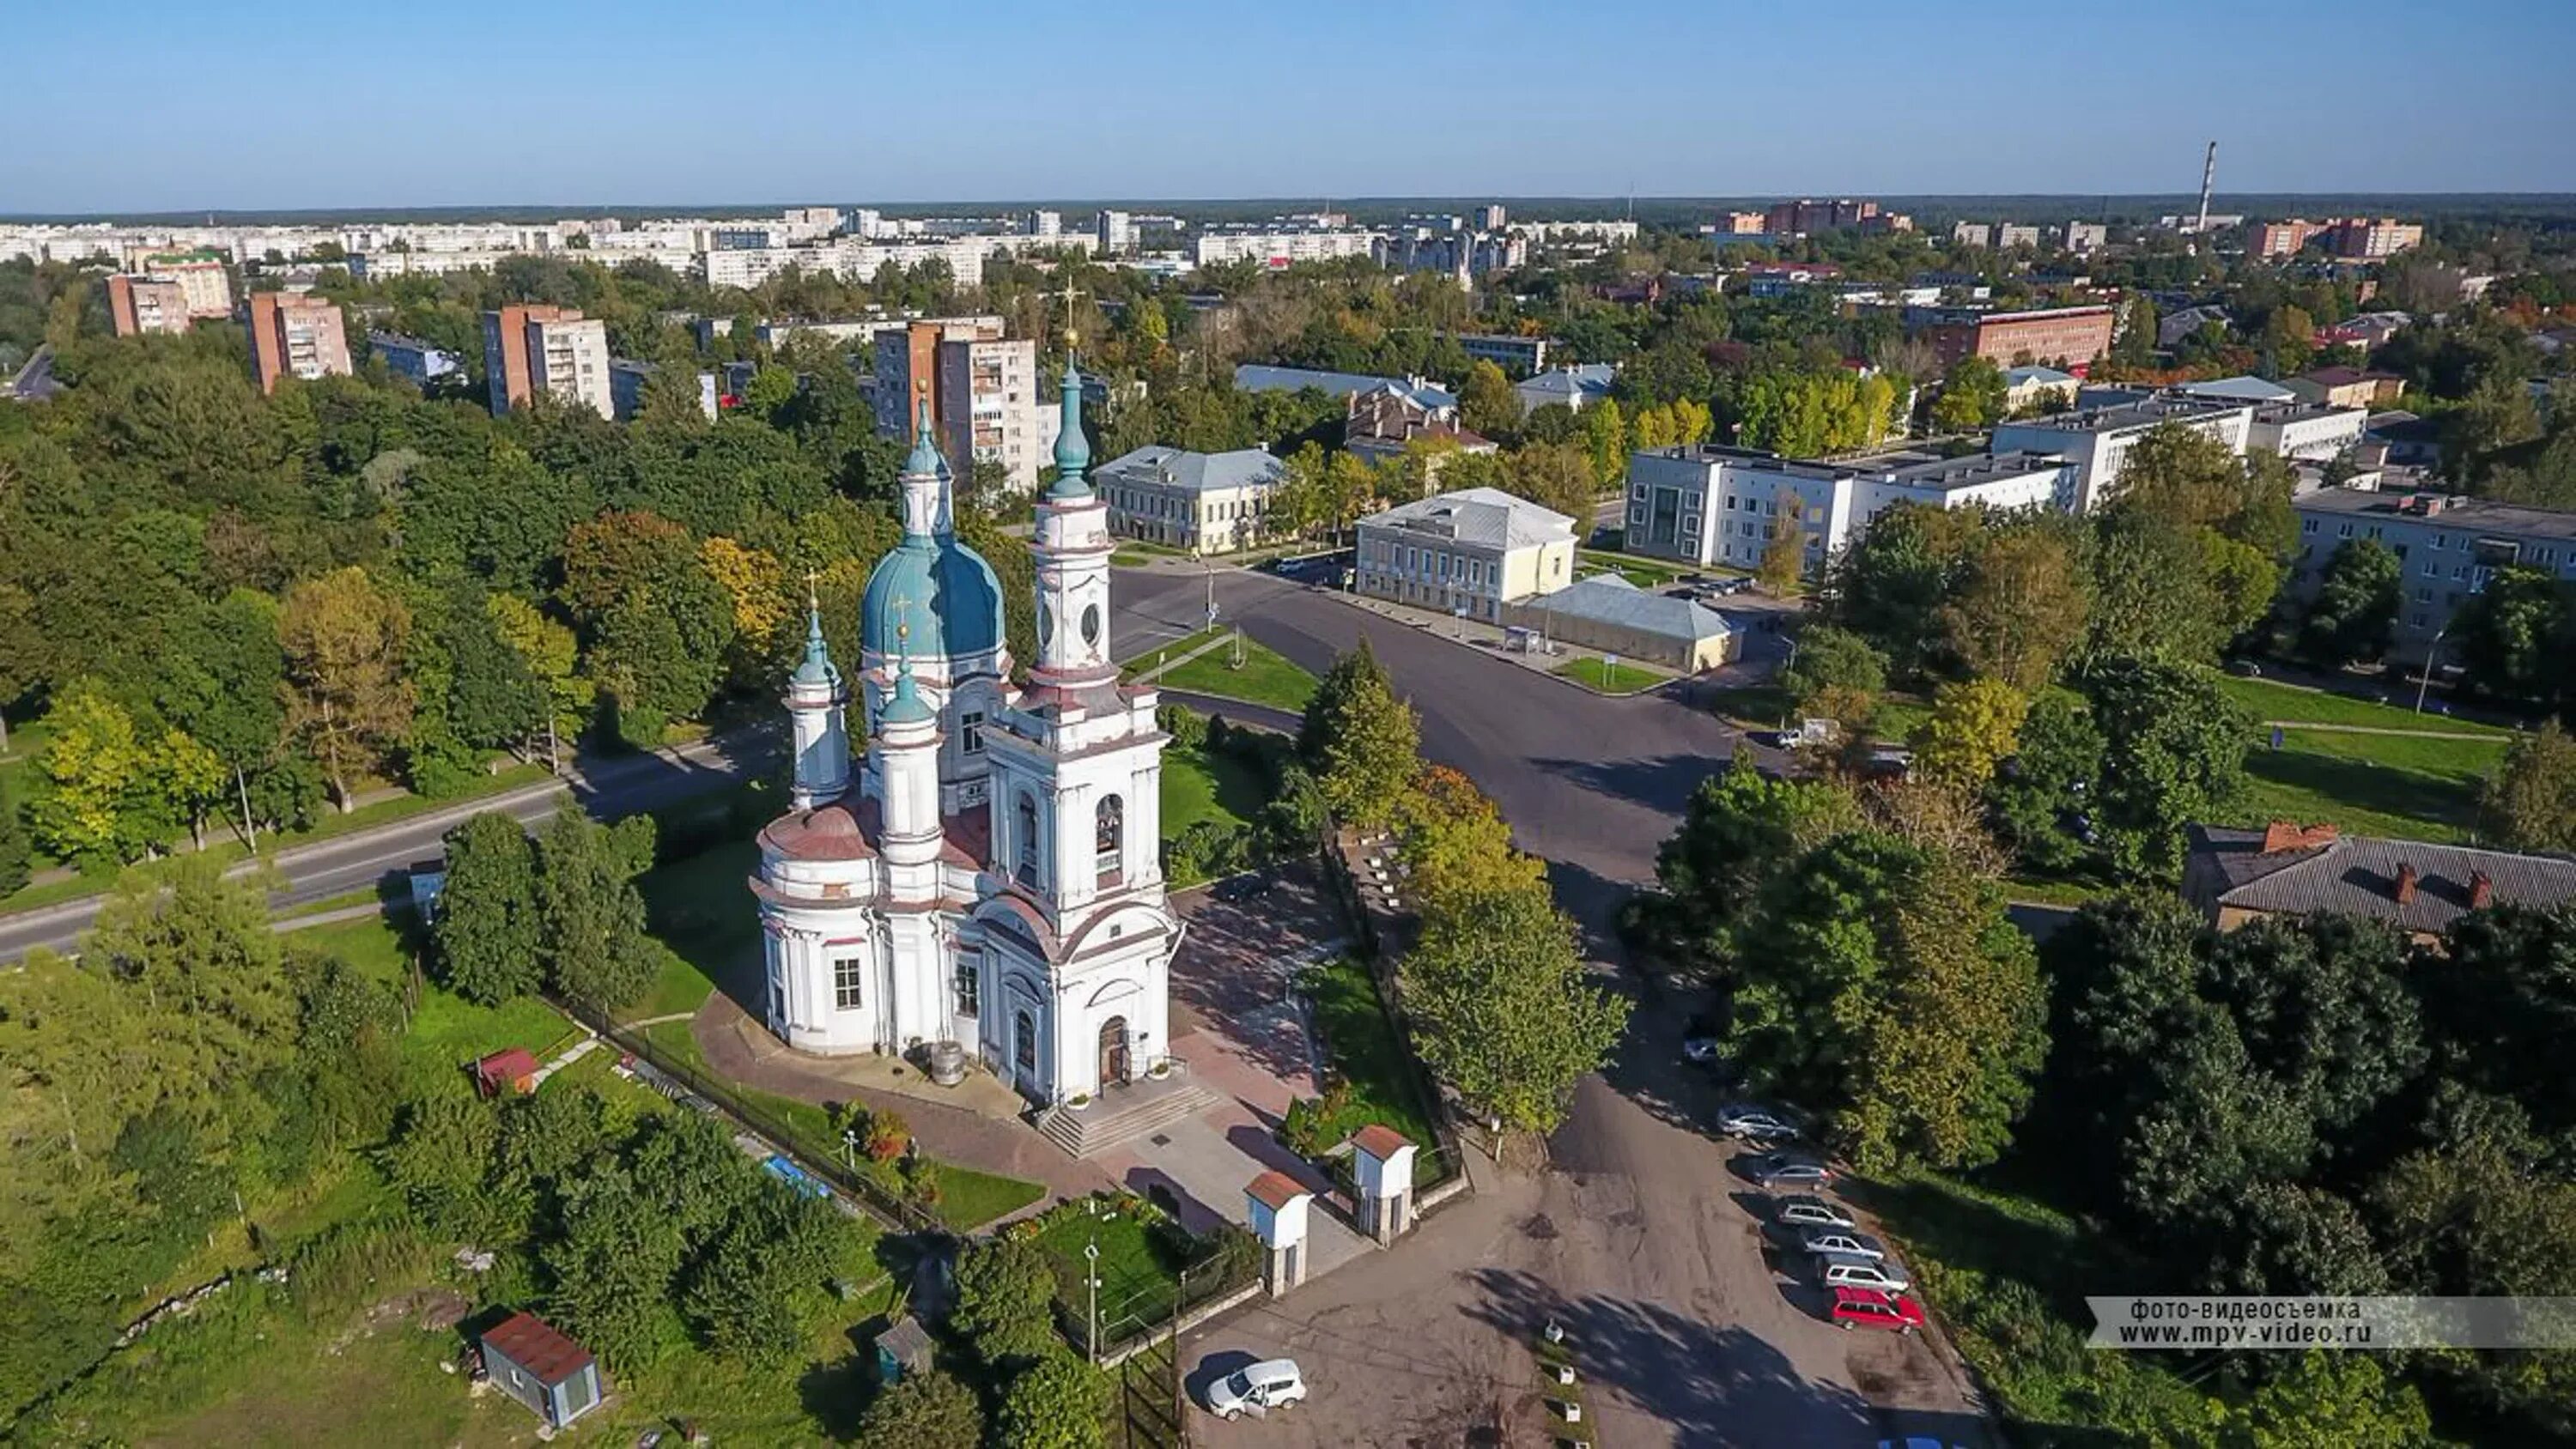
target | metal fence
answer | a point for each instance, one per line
(814, 1157)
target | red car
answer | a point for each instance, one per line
(1870, 1308)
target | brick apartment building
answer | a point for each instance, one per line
(2071, 336)
(554, 350)
(138, 305)
(294, 335)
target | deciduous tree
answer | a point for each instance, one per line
(489, 938)
(2529, 803)
(1503, 1012)
(1487, 405)
(1056, 1403)
(1974, 725)
(1005, 1297)
(589, 913)
(2355, 607)
(927, 1408)
(2173, 751)
(346, 696)
(1361, 740)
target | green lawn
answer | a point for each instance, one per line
(1198, 785)
(1762, 706)
(701, 908)
(1165, 653)
(2268, 700)
(1645, 573)
(2387, 785)
(1263, 677)
(1138, 1267)
(1365, 1055)
(1600, 676)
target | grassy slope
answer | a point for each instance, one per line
(1366, 1054)
(1266, 677)
(2268, 700)
(2390, 785)
(1198, 786)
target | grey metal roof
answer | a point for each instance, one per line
(1261, 377)
(1566, 384)
(2357, 875)
(2144, 413)
(2044, 376)
(1190, 472)
(1611, 599)
(2241, 388)
(1486, 516)
(2457, 511)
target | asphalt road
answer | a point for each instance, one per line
(618, 786)
(1638, 1236)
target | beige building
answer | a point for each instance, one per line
(528, 351)
(297, 336)
(1475, 550)
(139, 305)
(1606, 614)
(1203, 502)
(201, 276)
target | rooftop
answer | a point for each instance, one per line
(2450, 509)
(2318, 872)
(1610, 599)
(533, 1344)
(1261, 377)
(1487, 516)
(2143, 413)
(1190, 472)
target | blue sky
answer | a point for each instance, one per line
(184, 104)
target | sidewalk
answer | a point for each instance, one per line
(739, 1049)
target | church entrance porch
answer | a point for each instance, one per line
(1115, 1063)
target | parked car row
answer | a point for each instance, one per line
(1869, 1287)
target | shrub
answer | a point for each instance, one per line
(1188, 728)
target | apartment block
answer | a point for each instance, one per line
(200, 275)
(1277, 248)
(1706, 504)
(626, 380)
(138, 305)
(297, 336)
(2447, 547)
(555, 351)
(982, 389)
(2361, 238)
(1117, 233)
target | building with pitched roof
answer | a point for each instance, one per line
(1203, 502)
(534, 1363)
(1575, 387)
(2235, 876)
(987, 872)
(1474, 550)
(1261, 377)
(1607, 613)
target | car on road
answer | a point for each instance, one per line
(1234, 890)
(1788, 1168)
(1869, 1308)
(1846, 1270)
(1843, 1241)
(1270, 1384)
(1755, 1123)
(1806, 1210)
(1700, 1051)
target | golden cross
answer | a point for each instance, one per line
(811, 601)
(902, 617)
(1068, 292)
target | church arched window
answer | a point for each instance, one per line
(1109, 835)
(1027, 836)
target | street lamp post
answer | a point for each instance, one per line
(1091, 1281)
(2425, 681)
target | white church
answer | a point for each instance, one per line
(992, 874)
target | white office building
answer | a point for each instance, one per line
(1117, 233)
(1712, 505)
(2097, 441)
(1274, 247)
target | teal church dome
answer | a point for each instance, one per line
(941, 595)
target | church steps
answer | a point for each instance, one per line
(1111, 1122)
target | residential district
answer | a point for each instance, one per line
(1685, 824)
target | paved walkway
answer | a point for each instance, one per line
(2351, 729)
(742, 1050)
